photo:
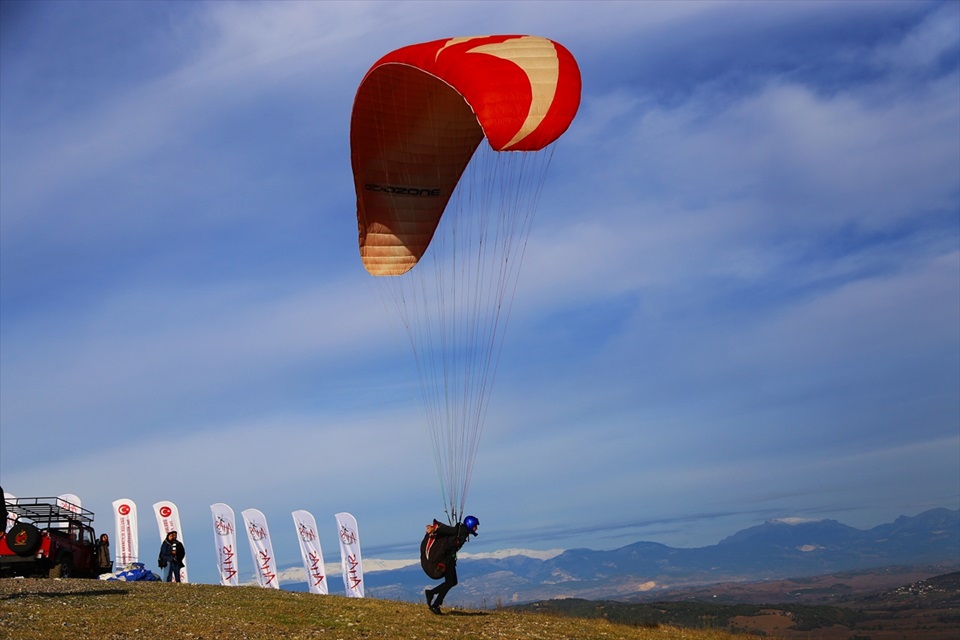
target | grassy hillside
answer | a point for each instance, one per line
(96, 610)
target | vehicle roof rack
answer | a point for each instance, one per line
(49, 510)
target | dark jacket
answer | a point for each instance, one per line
(3, 511)
(439, 548)
(103, 555)
(171, 551)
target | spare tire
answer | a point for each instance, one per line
(23, 539)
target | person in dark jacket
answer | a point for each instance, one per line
(104, 563)
(173, 553)
(3, 511)
(440, 550)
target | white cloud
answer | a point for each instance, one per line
(922, 47)
(149, 349)
(795, 521)
(863, 322)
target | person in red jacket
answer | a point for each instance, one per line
(438, 556)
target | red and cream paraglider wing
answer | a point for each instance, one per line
(419, 115)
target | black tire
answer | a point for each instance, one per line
(63, 567)
(23, 539)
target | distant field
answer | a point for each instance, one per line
(813, 609)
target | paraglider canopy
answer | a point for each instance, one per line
(419, 118)
(419, 115)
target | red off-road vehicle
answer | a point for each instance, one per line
(50, 538)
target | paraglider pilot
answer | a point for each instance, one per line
(438, 556)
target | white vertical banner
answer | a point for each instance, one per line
(126, 540)
(10, 499)
(262, 549)
(350, 561)
(310, 551)
(69, 501)
(225, 539)
(168, 519)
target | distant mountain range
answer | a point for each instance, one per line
(773, 550)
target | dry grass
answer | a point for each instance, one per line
(97, 610)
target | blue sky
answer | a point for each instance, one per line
(740, 300)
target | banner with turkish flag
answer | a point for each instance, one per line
(168, 519)
(126, 540)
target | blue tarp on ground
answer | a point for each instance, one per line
(135, 571)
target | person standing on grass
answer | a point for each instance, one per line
(104, 563)
(3, 512)
(173, 553)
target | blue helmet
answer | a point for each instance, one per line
(471, 523)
